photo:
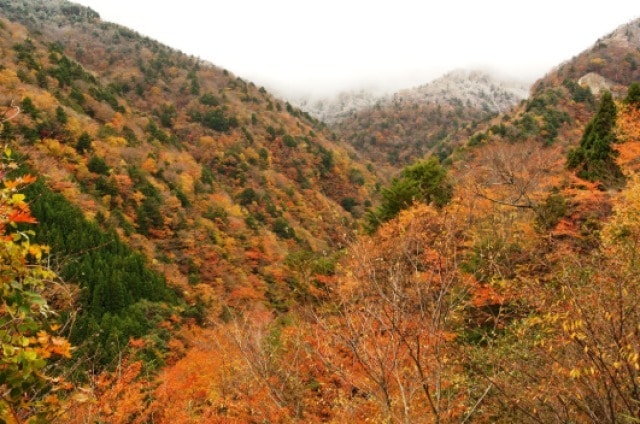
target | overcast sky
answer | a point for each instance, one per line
(298, 46)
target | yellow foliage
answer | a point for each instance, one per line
(8, 78)
(116, 141)
(74, 126)
(623, 229)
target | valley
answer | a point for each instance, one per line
(180, 245)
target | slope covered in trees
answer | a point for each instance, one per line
(171, 190)
(203, 231)
(173, 154)
(412, 123)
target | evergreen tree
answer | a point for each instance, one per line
(98, 165)
(61, 115)
(424, 181)
(594, 159)
(84, 143)
(633, 95)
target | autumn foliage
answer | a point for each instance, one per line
(29, 329)
(215, 268)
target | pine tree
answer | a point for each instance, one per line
(84, 143)
(594, 159)
(633, 95)
(424, 181)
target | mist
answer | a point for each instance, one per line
(321, 48)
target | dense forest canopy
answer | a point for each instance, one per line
(178, 245)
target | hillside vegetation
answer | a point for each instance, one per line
(397, 130)
(179, 246)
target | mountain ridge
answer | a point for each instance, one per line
(215, 267)
(474, 88)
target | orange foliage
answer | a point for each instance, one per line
(628, 133)
(115, 398)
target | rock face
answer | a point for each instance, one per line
(596, 82)
(627, 35)
(474, 89)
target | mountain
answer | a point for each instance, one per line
(210, 182)
(475, 89)
(406, 126)
(614, 59)
(206, 263)
(344, 104)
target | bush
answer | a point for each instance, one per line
(98, 165)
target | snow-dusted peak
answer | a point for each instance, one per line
(474, 89)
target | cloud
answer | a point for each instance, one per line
(334, 44)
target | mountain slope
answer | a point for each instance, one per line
(474, 89)
(211, 178)
(413, 122)
(343, 105)
(614, 58)
(512, 297)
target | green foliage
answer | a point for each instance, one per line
(553, 119)
(209, 99)
(112, 277)
(167, 115)
(156, 133)
(594, 159)
(61, 115)
(84, 143)
(248, 196)
(289, 141)
(7, 131)
(107, 95)
(477, 138)
(25, 53)
(356, 177)
(68, 70)
(527, 125)
(217, 120)
(182, 197)
(29, 108)
(633, 95)
(272, 133)
(348, 204)
(98, 165)
(77, 96)
(282, 228)
(551, 211)
(424, 181)
(579, 93)
(130, 136)
(27, 323)
(149, 215)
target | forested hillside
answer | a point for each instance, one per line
(179, 246)
(420, 121)
(169, 188)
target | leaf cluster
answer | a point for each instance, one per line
(424, 181)
(28, 326)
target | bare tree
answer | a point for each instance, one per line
(398, 315)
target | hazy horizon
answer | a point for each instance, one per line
(313, 48)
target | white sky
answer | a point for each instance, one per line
(301, 46)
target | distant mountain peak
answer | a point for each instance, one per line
(342, 105)
(627, 35)
(471, 88)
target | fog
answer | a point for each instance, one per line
(322, 47)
